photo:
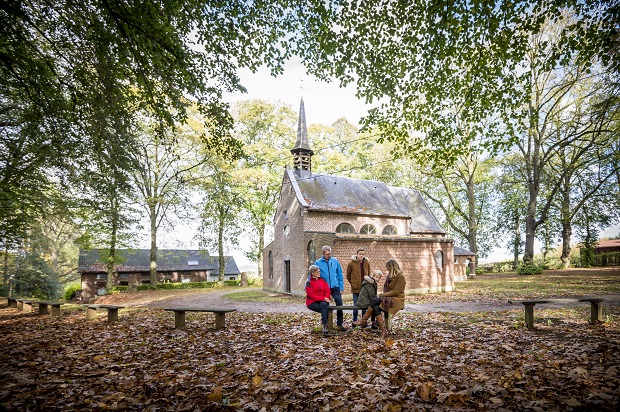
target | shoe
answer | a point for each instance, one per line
(325, 330)
(341, 328)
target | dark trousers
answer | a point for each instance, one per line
(355, 296)
(320, 307)
(338, 300)
(374, 304)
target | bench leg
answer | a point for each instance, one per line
(529, 316)
(91, 313)
(43, 310)
(12, 303)
(27, 308)
(220, 319)
(386, 318)
(56, 311)
(596, 311)
(330, 320)
(20, 306)
(112, 315)
(179, 320)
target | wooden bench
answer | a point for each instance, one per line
(25, 305)
(179, 316)
(330, 316)
(91, 311)
(596, 305)
(12, 302)
(44, 307)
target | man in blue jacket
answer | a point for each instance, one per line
(331, 271)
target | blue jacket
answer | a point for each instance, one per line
(331, 271)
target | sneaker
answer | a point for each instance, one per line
(341, 328)
(325, 330)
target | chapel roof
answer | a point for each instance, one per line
(459, 251)
(322, 192)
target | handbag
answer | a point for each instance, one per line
(387, 302)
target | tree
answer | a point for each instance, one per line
(419, 60)
(66, 65)
(165, 158)
(267, 131)
(219, 211)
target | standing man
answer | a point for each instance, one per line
(331, 271)
(357, 268)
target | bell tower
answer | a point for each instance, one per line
(302, 154)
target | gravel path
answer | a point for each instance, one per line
(218, 299)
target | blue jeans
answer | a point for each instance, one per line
(338, 300)
(320, 307)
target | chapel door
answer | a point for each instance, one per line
(287, 276)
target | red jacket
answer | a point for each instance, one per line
(316, 290)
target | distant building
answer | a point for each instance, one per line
(607, 252)
(463, 259)
(389, 222)
(172, 266)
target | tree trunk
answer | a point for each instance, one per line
(530, 231)
(261, 245)
(472, 235)
(5, 262)
(220, 248)
(566, 224)
(517, 240)
(112, 256)
(153, 254)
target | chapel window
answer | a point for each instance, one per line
(311, 253)
(389, 230)
(368, 230)
(345, 228)
(439, 259)
(270, 265)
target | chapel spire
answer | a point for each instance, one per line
(302, 154)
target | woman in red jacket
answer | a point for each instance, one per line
(318, 295)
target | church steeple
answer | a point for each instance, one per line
(302, 154)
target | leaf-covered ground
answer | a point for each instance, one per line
(263, 362)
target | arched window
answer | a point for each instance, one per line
(270, 265)
(368, 230)
(439, 259)
(345, 228)
(311, 253)
(389, 230)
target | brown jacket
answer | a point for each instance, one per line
(354, 275)
(395, 290)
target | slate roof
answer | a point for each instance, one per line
(168, 260)
(302, 144)
(459, 251)
(322, 192)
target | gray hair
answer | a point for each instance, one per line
(324, 248)
(313, 268)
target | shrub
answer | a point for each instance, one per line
(232, 282)
(177, 285)
(480, 270)
(71, 290)
(118, 289)
(529, 270)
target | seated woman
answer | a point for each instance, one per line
(368, 291)
(391, 300)
(318, 295)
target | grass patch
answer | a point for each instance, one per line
(260, 296)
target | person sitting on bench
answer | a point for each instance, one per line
(318, 295)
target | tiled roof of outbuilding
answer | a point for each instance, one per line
(346, 195)
(168, 260)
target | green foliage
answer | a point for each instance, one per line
(480, 270)
(117, 289)
(529, 270)
(35, 278)
(232, 282)
(71, 290)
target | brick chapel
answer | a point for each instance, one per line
(389, 222)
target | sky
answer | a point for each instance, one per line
(324, 103)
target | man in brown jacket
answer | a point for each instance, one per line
(357, 268)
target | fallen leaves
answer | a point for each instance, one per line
(277, 362)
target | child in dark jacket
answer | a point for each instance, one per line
(368, 291)
(318, 295)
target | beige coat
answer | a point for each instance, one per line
(354, 275)
(396, 290)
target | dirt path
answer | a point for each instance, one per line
(219, 299)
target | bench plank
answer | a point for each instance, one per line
(330, 316)
(179, 315)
